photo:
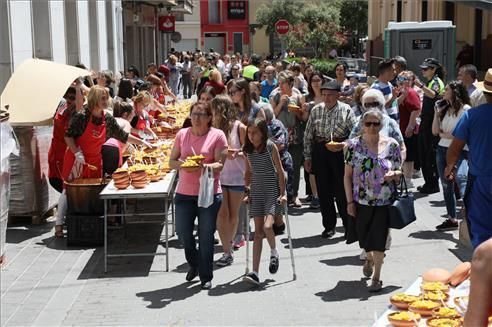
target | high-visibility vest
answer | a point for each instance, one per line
(249, 72)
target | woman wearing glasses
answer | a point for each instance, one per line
(372, 164)
(210, 142)
(240, 94)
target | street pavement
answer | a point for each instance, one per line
(46, 283)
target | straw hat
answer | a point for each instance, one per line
(486, 85)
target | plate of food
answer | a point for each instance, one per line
(445, 312)
(402, 300)
(424, 307)
(404, 319)
(293, 107)
(198, 158)
(444, 322)
(434, 287)
(436, 296)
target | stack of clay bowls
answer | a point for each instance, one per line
(139, 178)
(121, 179)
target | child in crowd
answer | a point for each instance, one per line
(266, 178)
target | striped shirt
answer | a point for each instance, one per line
(324, 123)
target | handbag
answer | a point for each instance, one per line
(401, 211)
(206, 191)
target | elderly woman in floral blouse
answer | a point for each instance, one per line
(372, 163)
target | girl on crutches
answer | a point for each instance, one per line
(265, 178)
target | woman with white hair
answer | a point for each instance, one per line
(374, 99)
(372, 164)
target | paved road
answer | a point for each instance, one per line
(47, 284)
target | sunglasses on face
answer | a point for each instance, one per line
(70, 97)
(372, 104)
(402, 79)
(372, 123)
(199, 114)
(424, 69)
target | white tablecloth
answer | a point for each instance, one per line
(462, 290)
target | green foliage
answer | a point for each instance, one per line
(325, 66)
(353, 17)
(313, 24)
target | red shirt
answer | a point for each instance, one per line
(218, 87)
(410, 104)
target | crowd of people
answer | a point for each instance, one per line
(260, 123)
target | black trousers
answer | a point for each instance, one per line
(328, 168)
(427, 151)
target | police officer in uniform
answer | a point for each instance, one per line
(427, 142)
(252, 72)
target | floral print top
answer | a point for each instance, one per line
(369, 187)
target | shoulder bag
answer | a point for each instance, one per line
(401, 211)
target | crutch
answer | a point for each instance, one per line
(246, 226)
(294, 277)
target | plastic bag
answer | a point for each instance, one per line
(206, 192)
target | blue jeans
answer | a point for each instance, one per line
(187, 211)
(448, 186)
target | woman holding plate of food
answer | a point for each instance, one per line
(200, 140)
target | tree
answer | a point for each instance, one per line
(353, 18)
(314, 24)
(268, 14)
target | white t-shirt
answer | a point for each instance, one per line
(448, 124)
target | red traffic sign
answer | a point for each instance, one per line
(167, 24)
(282, 26)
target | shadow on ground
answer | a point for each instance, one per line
(354, 289)
(460, 251)
(161, 298)
(311, 241)
(343, 261)
(18, 233)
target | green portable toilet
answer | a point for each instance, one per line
(417, 41)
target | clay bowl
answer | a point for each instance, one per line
(426, 287)
(434, 322)
(423, 311)
(402, 305)
(401, 323)
(122, 186)
(155, 178)
(139, 184)
(431, 296)
(453, 315)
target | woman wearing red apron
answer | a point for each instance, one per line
(113, 149)
(87, 132)
(142, 120)
(73, 101)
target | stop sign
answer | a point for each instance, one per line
(282, 26)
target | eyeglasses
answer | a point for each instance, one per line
(372, 123)
(374, 104)
(402, 79)
(199, 114)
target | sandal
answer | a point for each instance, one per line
(59, 231)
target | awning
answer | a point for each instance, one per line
(35, 89)
(479, 4)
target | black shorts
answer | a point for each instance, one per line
(411, 145)
(372, 225)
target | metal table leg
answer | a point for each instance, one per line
(105, 236)
(173, 216)
(166, 206)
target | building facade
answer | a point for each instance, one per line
(473, 21)
(225, 25)
(64, 31)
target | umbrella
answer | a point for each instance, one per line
(35, 89)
